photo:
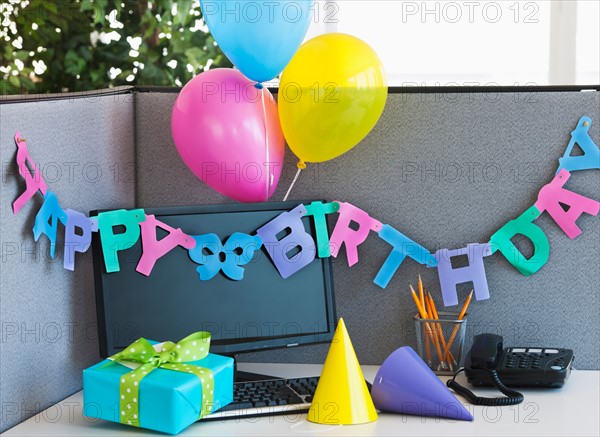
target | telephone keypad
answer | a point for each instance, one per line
(533, 358)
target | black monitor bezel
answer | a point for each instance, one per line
(106, 344)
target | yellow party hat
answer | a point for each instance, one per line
(342, 396)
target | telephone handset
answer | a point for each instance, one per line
(487, 363)
(485, 350)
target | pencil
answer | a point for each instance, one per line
(433, 325)
(420, 307)
(437, 329)
(428, 344)
(424, 315)
(461, 315)
(435, 316)
(465, 306)
(429, 308)
(421, 292)
(429, 298)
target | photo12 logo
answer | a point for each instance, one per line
(470, 12)
(270, 11)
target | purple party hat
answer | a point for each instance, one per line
(405, 384)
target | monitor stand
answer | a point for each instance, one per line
(241, 376)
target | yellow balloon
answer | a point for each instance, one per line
(331, 95)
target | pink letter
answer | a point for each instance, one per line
(552, 195)
(33, 178)
(153, 249)
(353, 238)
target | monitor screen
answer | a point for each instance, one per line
(261, 311)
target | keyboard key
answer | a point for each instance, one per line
(260, 404)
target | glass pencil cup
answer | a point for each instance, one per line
(440, 342)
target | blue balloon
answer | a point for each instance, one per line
(259, 37)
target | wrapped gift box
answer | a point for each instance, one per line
(169, 401)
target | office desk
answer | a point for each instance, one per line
(572, 410)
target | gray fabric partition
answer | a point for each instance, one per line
(446, 169)
(47, 314)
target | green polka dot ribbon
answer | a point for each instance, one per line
(172, 356)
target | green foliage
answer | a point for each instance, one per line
(62, 45)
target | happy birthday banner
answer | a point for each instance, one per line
(229, 257)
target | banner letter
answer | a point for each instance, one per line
(591, 154)
(523, 225)
(73, 241)
(46, 220)
(450, 277)
(112, 243)
(553, 194)
(33, 178)
(281, 249)
(343, 233)
(153, 249)
(318, 211)
(402, 247)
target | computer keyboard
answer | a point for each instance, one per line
(269, 397)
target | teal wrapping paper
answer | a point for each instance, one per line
(169, 401)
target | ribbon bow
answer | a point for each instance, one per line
(172, 356)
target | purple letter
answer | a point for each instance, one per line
(475, 272)
(297, 237)
(74, 242)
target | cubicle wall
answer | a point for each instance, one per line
(445, 168)
(48, 317)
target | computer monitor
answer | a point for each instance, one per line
(261, 311)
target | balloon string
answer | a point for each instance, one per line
(268, 174)
(292, 185)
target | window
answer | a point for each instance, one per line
(475, 42)
(588, 42)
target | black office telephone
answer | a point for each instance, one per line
(488, 364)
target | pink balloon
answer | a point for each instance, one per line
(228, 134)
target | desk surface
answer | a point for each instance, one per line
(572, 410)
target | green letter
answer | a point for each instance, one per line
(523, 225)
(111, 243)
